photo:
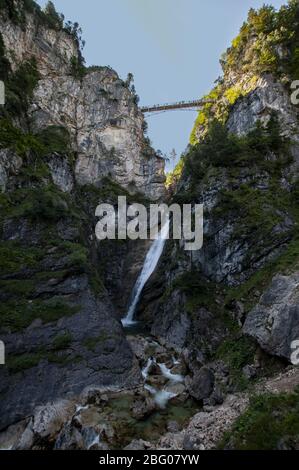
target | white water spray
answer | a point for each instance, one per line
(168, 374)
(149, 266)
(161, 397)
(145, 370)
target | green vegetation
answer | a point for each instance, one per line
(47, 17)
(4, 62)
(26, 361)
(62, 341)
(258, 211)
(237, 351)
(14, 139)
(15, 288)
(198, 291)
(19, 88)
(269, 29)
(53, 19)
(250, 291)
(22, 362)
(108, 191)
(223, 149)
(19, 313)
(48, 206)
(78, 69)
(233, 94)
(268, 42)
(77, 254)
(174, 176)
(269, 421)
(49, 140)
(14, 257)
(92, 342)
(54, 139)
(257, 205)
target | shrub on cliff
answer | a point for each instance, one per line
(267, 43)
(222, 149)
(19, 88)
(271, 422)
(54, 19)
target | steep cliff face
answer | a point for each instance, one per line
(96, 107)
(70, 138)
(242, 164)
(106, 128)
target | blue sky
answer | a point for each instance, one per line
(171, 46)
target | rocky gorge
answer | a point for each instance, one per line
(209, 362)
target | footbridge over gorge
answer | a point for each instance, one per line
(172, 106)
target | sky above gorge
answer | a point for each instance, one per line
(172, 47)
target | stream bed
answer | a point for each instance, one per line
(160, 405)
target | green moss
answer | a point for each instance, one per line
(237, 351)
(233, 94)
(4, 62)
(23, 362)
(19, 314)
(14, 257)
(19, 88)
(78, 69)
(13, 138)
(79, 257)
(174, 176)
(198, 292)
(34, 148)
(35, 173)
(253, 52)
(48, 205)
(55, 139)
(206, 113)
(92, 342)
(17, 287)
(268, 420)
(47, 275)
(222, 149)
(62, 341)
(48, 17)
(77, 254)
(45, 204)
(96, 282)
(108, 191)
(258, 210)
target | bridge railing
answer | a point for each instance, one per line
(176, 105)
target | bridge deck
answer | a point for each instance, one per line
(178, 105)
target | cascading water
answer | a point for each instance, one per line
(149, 266)
(168, 374)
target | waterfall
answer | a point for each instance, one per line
(145, 370)
(149, 266)
(168, 374)
(161, 397)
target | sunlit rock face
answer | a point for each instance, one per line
(52, 49)
(269, 96)
(106, 128)
(98, 110)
